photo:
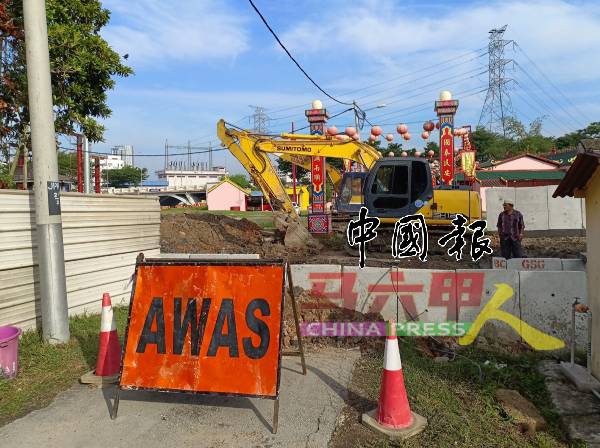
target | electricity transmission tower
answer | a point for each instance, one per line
(260, 120)
(497, 106)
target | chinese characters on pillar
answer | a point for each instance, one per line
(447, 153)
(410, 237)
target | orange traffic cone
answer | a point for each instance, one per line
(109, 350)
(393, 416)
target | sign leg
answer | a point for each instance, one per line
(296, 320)
(275, 415)
(115, 407)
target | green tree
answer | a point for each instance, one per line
(241, 180)
(126, 176)
(82, 66)
(433, 146)
(572, 139)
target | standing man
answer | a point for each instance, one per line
(510, 231)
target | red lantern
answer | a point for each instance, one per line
(332, 130)
(402, 129)
(376, 131)
(389, 137)
(428, 126)
(390, 154)
(425, 135)
(430, 153)
(417, 153)
(350, 131)
(356, 136)
(437, 125)
(406, 136)
(403, 153)
(372, 138)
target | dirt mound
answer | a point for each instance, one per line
(207, 233)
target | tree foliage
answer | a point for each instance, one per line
(572, 139)
(241, 180)
(82, 67)
(126, 176)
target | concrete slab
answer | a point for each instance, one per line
(580, 377)
(573, 264)
(309, 406)
(569, 401)
(469, 309)
(546, 299)
(498, 263)
(584, 427)
(534, 264)
(533, 203)
(564, 213)
(304, 276)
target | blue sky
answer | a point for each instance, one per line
(196, 61)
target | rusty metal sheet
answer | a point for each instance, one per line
(205, 327)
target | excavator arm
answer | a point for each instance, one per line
(252, 152)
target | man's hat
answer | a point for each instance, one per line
(508, 201)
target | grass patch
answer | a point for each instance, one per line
(46, 370)
(458, 403)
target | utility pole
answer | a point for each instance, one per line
(53, 291)
(210, 161)
(294, 173)
(86, 165)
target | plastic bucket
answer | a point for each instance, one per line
(9, 351)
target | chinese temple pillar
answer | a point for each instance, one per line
(319, 220)
(445, 109)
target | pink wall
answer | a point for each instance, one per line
(524, 163)
(226, 196)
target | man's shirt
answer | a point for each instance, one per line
(510, 225)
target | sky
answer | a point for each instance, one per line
(197, 61)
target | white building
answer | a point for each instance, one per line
(111, 163)
(192, 179)
(125, 152)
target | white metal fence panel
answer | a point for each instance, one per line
(102, 235)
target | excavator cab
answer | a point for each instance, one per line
(350, 198)
(396, 187)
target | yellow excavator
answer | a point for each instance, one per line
(392, 187)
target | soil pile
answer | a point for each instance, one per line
(203, 233)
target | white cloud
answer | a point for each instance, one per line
(562, 36)
(153, 31)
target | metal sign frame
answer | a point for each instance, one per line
(141, 261)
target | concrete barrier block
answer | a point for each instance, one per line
(494, 200)
(546, 299)
(533, 203)
(534, 264)
(316, 277)
(498, 263)
(564, 213)
(376, 290)
(483, 287)
(573, 264)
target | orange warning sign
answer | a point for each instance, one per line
(207, 327)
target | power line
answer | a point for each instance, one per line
(585, 117)
(293, 59)
(574, 120)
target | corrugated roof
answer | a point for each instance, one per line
(579, 174)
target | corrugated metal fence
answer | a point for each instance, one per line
(102, 236)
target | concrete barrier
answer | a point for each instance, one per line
(546, 299)
(572, 264)
(534, 264)
(540, 210)
(541, 298)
